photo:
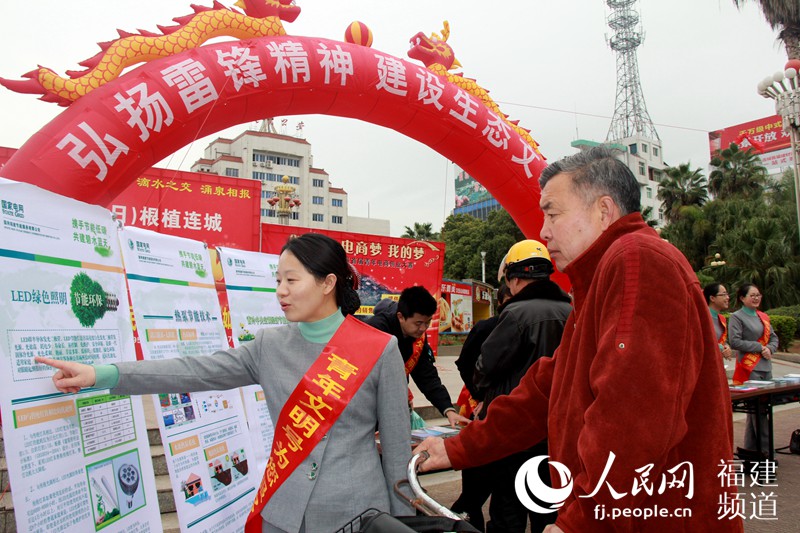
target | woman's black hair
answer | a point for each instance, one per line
(321, 255)
(743, 290)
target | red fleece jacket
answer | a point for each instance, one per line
(637, 374)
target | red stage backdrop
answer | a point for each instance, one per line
(386, 265)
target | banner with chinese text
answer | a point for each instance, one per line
(386, 265)
(205, 436)
(455, 307)
(217, 210)
(77, 462)
(765, 136)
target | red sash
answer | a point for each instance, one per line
(419, 344)
(749, 360)
(466, 403)
(724, 323)
(316, 403)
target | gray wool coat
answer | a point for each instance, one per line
(351, 475)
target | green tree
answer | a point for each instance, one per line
(420, 232)
(760, 251)
(647, 215)
(782, 15)
(736, 172)
(681, 187)
(463, 238)
(500, 232)
(691, 233)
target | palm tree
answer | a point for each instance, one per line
(737, 173)
(420, 232)
(784, 16)
(647, 215)
(760, 251)
(682, 187)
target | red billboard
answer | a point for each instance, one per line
(386, 265)
(763, 135)
(217, 210)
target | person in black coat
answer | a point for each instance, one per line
(408, 319)
(476, 486)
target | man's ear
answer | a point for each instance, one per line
(400, 316)
(609, 211)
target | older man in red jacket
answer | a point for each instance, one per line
(635, 402)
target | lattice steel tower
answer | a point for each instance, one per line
(630, 112)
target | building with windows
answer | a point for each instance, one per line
(645, 159)
(268, 156)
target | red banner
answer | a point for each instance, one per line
(386, 265)
(763, 135)
(218, 210)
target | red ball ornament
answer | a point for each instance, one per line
(358, 33)
(793, 63)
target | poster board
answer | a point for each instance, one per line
(455, 307)
(249, 281)
(205, 437)
(77, 462)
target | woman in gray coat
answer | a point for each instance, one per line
(343, 475)
(747, 335)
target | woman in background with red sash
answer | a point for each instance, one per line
(329, 381)
(754, 339)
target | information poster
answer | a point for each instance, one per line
(250, 282)
(77, 462)
(206, 442)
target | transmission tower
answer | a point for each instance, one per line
(630, 112)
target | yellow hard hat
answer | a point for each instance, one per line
(528, 259)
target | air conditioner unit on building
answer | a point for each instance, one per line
(261, 164)
(268, 164)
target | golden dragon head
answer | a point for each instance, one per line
(434, 50)
(284, 9)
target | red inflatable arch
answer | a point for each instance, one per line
(109, 136)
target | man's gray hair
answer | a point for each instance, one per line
(597, 172)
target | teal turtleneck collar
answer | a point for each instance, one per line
(714, 313)
(748, 311)
(321, 331)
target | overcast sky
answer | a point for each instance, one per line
(545, 62)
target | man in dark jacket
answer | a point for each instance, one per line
(476, 486)
(529, 327)
(408, 320)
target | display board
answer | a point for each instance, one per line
(205, 436)
(77, 462)
(249, 281)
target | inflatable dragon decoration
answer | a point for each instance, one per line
(260, 18)
(438, 57)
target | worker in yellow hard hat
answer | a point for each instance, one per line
(529, 327)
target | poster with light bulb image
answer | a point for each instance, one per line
(63, 296)
(205, 435)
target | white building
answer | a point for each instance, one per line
(646, 160)
(268, 156)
